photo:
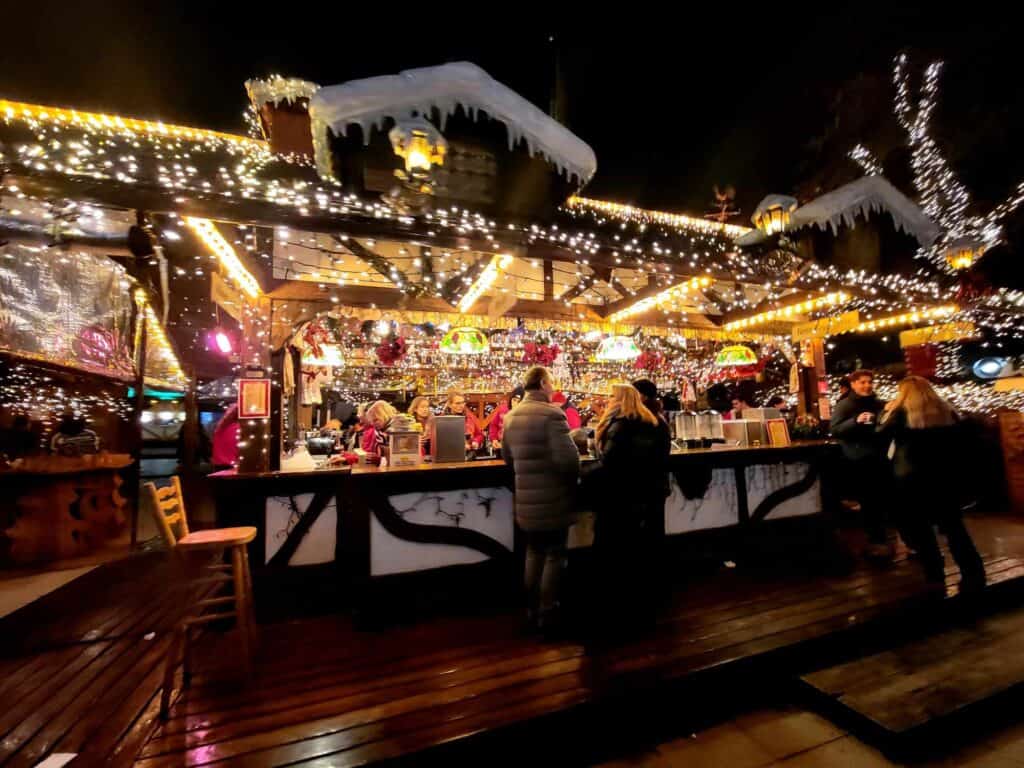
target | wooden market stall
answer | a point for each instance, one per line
(76, 336)
(378, 216)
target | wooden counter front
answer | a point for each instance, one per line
(56, 507)
(369, 522)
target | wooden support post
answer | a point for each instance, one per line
(549, 280)
(135, 471)
(255, 444)
(427, 268)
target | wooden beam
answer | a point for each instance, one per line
(357, 296)
(365, 296)
(426, 265)
(378, 262)
(585, 284)
(458, 285)
(240, 210)
(653, 288)
(605, 273)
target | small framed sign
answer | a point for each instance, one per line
(253, 398)
(778, 432)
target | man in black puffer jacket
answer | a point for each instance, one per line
(867, 474)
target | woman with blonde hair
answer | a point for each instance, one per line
(625, 484)
(421, 414)
(377, 418)
(924, 432)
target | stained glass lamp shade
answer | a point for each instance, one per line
(617, 349)
(735, 355)
(465, 341)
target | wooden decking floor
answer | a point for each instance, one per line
(924, 682)
(86, 681)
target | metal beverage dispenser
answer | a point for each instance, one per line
(686, 428)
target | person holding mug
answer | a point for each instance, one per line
(867, 472)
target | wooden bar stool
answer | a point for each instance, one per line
(168, 508)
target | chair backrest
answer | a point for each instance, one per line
(167, 506)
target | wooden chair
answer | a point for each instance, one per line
(167, 506)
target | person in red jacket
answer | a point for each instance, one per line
(571, 414)
(497, 425)
(225, 439)
(378, 418)
(456, 406)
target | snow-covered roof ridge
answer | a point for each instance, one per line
(275, 89)
(869, 194)
(370, 101)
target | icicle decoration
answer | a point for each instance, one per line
(861, 198)
(276, 89)
(369, 102)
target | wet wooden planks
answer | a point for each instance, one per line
(922, 682)
(328, 696)
(79, 664)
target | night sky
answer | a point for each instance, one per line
(766, 98)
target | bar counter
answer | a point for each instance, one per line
(370, 523)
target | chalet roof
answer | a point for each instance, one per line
(368, 102)
(860, 198)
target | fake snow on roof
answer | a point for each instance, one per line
(370, 101)
(276, 89)
(861, 198)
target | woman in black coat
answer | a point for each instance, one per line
(926, 437)
(626, 482)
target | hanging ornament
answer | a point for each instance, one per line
(315, 335)
(95, 346)
(329, 356)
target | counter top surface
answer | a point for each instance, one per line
(749, 450)
(66, 465)
(431, 468)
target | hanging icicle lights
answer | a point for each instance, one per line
(95, 120)
(789, 313)
(641, 215)
(906, 318)
(663, 300)
(214, 240)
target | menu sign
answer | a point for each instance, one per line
(826, 326)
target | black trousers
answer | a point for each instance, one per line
(627, 544)
(869, 481)
(925, 504)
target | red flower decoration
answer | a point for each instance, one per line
(650, 361)
(540, 354)
(392, 350)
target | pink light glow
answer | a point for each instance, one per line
(223, 342)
